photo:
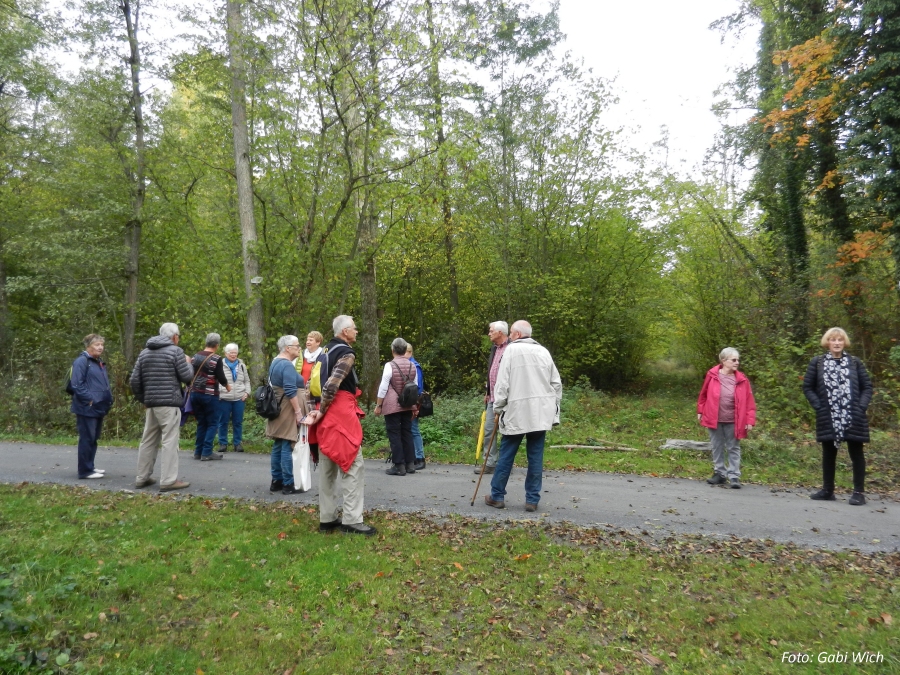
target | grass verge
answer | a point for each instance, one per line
(118, 583)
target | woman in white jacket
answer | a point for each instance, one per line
(231, 403)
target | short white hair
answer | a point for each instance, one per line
(522, 327)
(286, 341)
(231, 347)
(169, 330)
(341, 323)
(728, 353)
(502, 326)
(213, 340)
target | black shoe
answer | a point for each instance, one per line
(857, 499)
(487, 470)
(419, 465)
(212, 456)
(717, 479)
(823, 495)
(359, 528)
(330, 527)
(397, 470)
(410, 467)
(276, 486)
(735, 484)
(223, 448)
(239, 447)
(292, 490)
(196, 456)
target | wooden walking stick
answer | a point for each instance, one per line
(487, 453)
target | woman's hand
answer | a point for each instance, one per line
(699, 417)
(378, 410)
(312, 418)
(749, 427)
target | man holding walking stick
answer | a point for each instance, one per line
(527, 395)
(498, 332)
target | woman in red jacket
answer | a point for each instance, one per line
(726, 407)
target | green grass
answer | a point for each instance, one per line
(114, 583)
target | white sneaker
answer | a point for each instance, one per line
(96, 475)
(99, 470)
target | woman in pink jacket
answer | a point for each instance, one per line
(726, 407)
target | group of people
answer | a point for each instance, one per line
(838, 388)
(523, 391)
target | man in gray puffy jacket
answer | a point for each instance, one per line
(156, 382)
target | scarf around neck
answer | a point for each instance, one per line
(311, 357)
(836, 373)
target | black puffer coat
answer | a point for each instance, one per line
(860, 397)
(158, 374)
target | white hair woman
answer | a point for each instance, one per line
(838, 387)
(91, 401)
(727, 408)
(283, 430)
(233, 402)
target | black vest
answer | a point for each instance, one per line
(334, 351)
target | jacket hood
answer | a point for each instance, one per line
(714, 372)
(158, 342)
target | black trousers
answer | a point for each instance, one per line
(89, 429)
(399, 433)
(829, 459)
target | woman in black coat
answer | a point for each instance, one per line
(838, 388)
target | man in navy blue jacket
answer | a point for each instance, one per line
(91, 401)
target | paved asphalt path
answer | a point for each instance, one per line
(657, 506)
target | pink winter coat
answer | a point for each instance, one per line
(744, 403)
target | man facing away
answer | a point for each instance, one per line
(339, 433)
(527, 397)
(498, 332)
(156, 381)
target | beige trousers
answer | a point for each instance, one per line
(334, 484)
(162, 429)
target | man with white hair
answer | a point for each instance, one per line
(342, 472)
(156, 381)
(527, 395)
(498, 332)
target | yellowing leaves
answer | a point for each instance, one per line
(524, 556)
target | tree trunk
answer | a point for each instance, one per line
(255, 319)
(5, 333)
(133, 227)
(434, 77)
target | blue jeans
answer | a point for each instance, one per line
(282, 462)
(231, 411)
(509, 446)
(417, 439)
(206, 408)
(88, 434)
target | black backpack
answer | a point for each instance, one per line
(409, 394)
(267, 405)
(67, 387)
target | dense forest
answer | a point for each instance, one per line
(429, 166)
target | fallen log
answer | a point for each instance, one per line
(596, 447)
(678, 444)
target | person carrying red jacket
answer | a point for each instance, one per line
(727, 408)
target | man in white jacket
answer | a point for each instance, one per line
(527, 397)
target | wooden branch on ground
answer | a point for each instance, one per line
(677, 444)
(596, 447)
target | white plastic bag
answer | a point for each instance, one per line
(300, 456)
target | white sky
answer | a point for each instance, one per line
(667, 64)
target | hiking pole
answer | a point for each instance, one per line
(487, 453)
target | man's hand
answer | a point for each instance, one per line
(313, 418)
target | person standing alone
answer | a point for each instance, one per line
(91, 401)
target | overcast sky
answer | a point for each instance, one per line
(667, 64)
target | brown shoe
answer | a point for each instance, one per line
(177, 485)
(531, 507)
(144, 483)
(495, 504)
